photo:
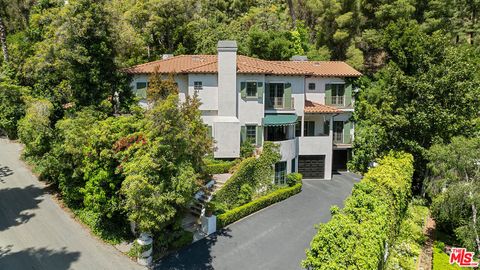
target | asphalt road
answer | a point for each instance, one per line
(275, 238)
(35, 233)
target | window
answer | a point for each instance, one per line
(280, 172)
(275, 95)
(251, 89)
(309, 128)
(197, 85)
(338, 94)
(251, 133)
(141, 85)
(293, 165)
(338, 131)
(311, 86)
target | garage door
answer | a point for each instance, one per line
(312, 166)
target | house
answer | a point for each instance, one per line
(304, 106)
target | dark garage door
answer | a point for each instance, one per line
(312, 166)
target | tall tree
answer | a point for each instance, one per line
(75, 61)
(426, 94)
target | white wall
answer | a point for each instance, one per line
(227, 137)
(250, 110)
(209, 94)
(318, 95)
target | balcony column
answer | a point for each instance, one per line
(330, 127)
(302, 126)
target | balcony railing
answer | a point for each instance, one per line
(338, 100)
(278, 103)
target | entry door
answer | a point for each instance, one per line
(312, 167)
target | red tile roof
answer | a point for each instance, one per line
(313, 107)
(245, 64)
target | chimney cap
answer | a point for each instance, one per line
(299, 58)
(227, 45)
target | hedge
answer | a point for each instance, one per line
(357, 235)
(218, 167)
(242, 211)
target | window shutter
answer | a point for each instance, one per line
(243, 89)
(346, 132)
(348, 95)
(259, 135)
(287, 95)
(243, 133)
(210, 131)
(260, 90)
(328, 94)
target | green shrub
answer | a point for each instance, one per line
(356, 236)
(12, 108)
(260, 203)
(408, 244)
(441, 260)
(34, 130)
(218, 166)
(247, 149)
(252, 171)
(293, 178)
(185, 238)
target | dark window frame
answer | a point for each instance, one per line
(251, 89)
(197, 85)
(312, 86)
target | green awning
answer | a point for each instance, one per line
(279, 119)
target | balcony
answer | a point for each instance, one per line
(338, 101)
(278, 103)
(288, 148)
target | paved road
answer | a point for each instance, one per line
(275, 238)
(35, 233)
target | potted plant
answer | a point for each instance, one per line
(209, 209)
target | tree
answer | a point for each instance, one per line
(34, 130)
(423, 96)
(454, 185)
(12, 107)
(160, 174)
(75, 61)
(159, 89)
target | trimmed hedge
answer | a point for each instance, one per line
(260, 203)
(356, 236)
(218, 167)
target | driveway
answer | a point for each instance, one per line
(274, 238)
(35, 233)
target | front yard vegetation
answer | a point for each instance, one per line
(357, 235)
(141, 168)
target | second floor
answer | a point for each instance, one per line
(248, 88)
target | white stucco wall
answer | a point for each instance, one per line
(318, 95)
(209, 94)
(250, 110)
(226, 131)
